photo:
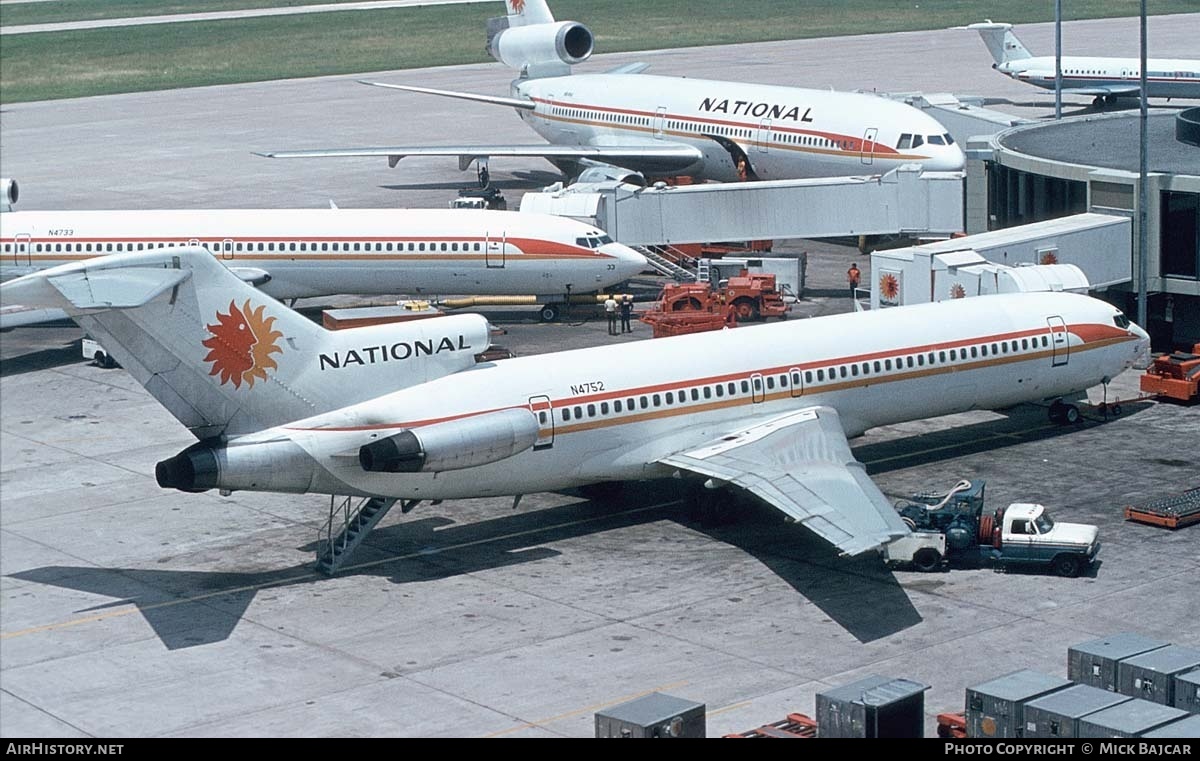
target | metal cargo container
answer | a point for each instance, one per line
(1133, 718)
(877, 706)
(1185, 727)
(1058, 714)
(1151, 676)
(996, 708)
(655, 715)
(1095, 662)
(1187, 691)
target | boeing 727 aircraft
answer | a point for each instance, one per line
(278, 406)
(294, 253)
(1105, 78)
(624, 120)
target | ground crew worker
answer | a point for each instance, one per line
(610, 309)
(853, 275)
(626, 313)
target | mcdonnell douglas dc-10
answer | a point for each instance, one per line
(626, 121)
(767, 410)
(296, 253)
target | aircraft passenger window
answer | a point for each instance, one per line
(878, 367)
(443, 246)
(657, 400)
(617, 406)
(953, 354)
(1014, 345)
(973, 353)
(578, 413)
(566, 414)
(644, 402)
(453, 246)
(931, 358)
(591, 410)
(745, 388)
(771, 381)
(542, 417)
(603, 408)
(941, 356)
(994, 351)
(918, 141)
(720, 390)
(983, 350)
(670, 398)
(866, 368)
(7, 248)
(843, 368)
(1044, 341)
(732, 389)
(936, 140)
(921, 360)
(1024, 344)
(58, 247)
(708, 392)
(477, 247)
(854, 370)
(821, 374)
(807, 377)
(695, 395)
(421, 247)
(89, 246)
(887, 364)
(629, 404)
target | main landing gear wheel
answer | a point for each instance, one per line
(550, 313)
(1064, 414)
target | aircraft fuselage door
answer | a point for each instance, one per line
(227, 248)
(764, 136)
(1060, 346)
(867, 153)
(22, 249)
(541, 408)
(796, 382)
(758, 391)
(660, 119)
(493, 255)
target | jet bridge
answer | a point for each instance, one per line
(903, 201)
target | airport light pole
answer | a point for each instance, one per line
(1143, 193)
(1057, 59)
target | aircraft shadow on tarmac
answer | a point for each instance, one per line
(190, 608)
(42, 359)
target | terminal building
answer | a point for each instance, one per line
(1045, 170)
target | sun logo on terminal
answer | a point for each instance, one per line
(1048, 257)
(957, 291)
(889, 286)
(241, 345)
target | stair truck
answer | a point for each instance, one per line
(955, 527)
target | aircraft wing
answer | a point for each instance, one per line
(17, 316)
(1102, 90)
(801, 464)
(659, 157)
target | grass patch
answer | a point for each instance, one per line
(52, 65)
(17, 14)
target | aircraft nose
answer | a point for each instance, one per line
(951, 159)
(629, 262)
(1142, 347)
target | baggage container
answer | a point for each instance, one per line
(1095, 662)
(1151, 676)
(997, 708)
(655, 715)
(1133, 718)
(1058, 714)
(877, 706)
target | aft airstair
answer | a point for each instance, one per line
(353, 523)
(669, 261)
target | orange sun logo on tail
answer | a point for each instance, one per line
(241, 345)
(518, 6)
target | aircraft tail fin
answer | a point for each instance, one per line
(528, 12)
(1001, 42)
(225, 358)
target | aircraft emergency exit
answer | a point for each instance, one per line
(766, 410)
(659, 126)
(295, 253)
(1106, 78)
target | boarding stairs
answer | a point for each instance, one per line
(353, 523)
(670, 261)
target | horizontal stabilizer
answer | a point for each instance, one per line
(495, 100)
(83, 289)
(19, 315)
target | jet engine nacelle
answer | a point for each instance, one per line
(280, 465)
(453, 445)
(568, 42)
(8, 192)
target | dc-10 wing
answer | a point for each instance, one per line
(659, 157)
(1102, 90)
(801, 464)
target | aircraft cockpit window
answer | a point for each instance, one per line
(918, 141)
(605, 240)
(1121, 321)
(936, 140)
(949, 140)
(905, 141)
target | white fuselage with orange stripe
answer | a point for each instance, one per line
(785, 132)
(613, 412)
(316, 252)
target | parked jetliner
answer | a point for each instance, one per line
(293, 253)
(1105, 78)
(766, 409)
(675, 125)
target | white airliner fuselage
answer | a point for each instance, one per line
(785, 132)
(292, 253)
(612, 413)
